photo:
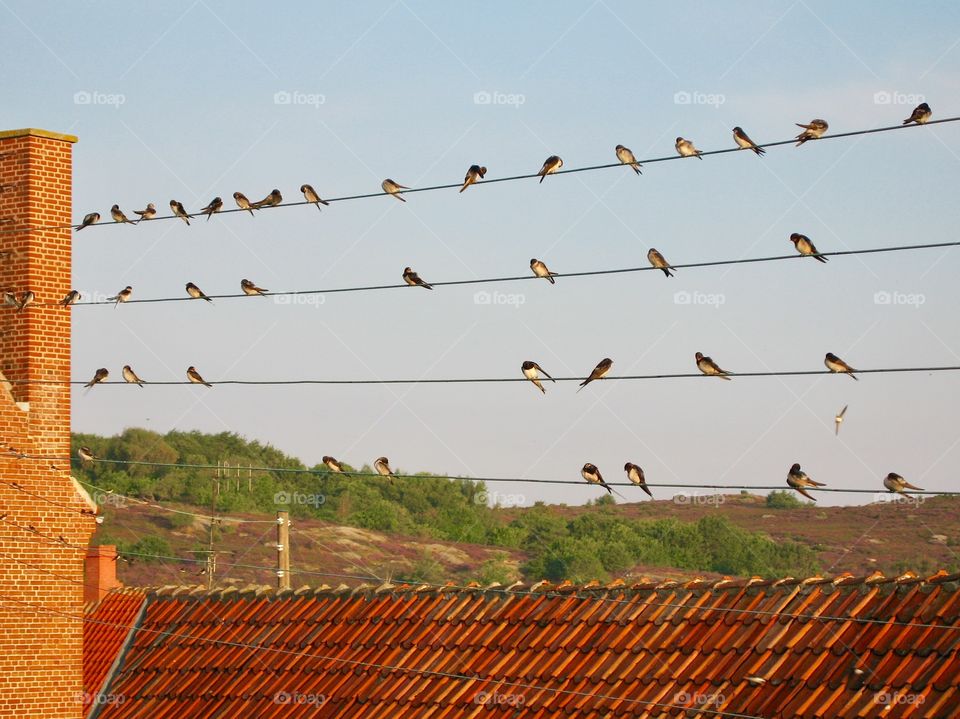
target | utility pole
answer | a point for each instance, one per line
(283, 550)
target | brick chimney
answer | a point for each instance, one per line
(45, 520)
(101, 573)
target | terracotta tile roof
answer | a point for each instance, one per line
(104, 632)
(819, 647)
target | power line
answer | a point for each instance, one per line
(519, 278)
(492, 380)
(510, 178)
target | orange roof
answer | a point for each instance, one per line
(105, 629)
(842, 647)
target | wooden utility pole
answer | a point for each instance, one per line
(283, 550)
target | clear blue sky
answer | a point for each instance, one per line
(398, 80)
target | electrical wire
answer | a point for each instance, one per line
(510, 178)
(519, 278)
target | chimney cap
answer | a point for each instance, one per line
(34, 132)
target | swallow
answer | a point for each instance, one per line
(835, 364)
(27, 298)
(251, 289)
(540, 270)
(838, 420)
(550, 166)
(148, 213)
(195, 377)
(709, 367)
(130, 376)
(800, 481)
(196, 293)
(599, 372)
(895, 483)
(413, 279)
(531, 370)
(71, 297)
(11, 299)
(686, 149)
(921, 113)
(86, 454)
(393, 188)
(243, 203)
(89, 219)
(743, 140)
(271, 200)
(635, 475)
(625, 155)
(590, 473)
(806, 247)
(658, 261)
(310, 195)
(99, 376)
(216, 204)
(122, 296)
(332, 464)
(813, 131)
(382, 465)
(474, 173)
(178, 211)
(117, 214)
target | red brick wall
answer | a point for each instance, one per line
(41, 592)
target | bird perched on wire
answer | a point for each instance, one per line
(531, 370)
(590, 473)
(835, 364)
(249, 288)
(812, 131)
(123, 295)
(130, 376)
(195, 377)
(806, 247)
(413, 279)
(243, 203)
(920, 115)
(550, 166)
(895, 483)
(99, 376)
(86, 454)
(147, 213)
(382, 465)
(27, 298)
(271, 200)
(635, 475)
(474, 173)
(685, 148)
(800, 481)
(71, 297)
(393, 188)
(658, 261)
(626, 157)
(332, 464)
(540, 270)
(117, 214)
(196, 293)
(10, 299)
(599, 372)
(216, 204)
(310, 195)
(178, 211)
(743, 140)
(709, 367)
(91, 218)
